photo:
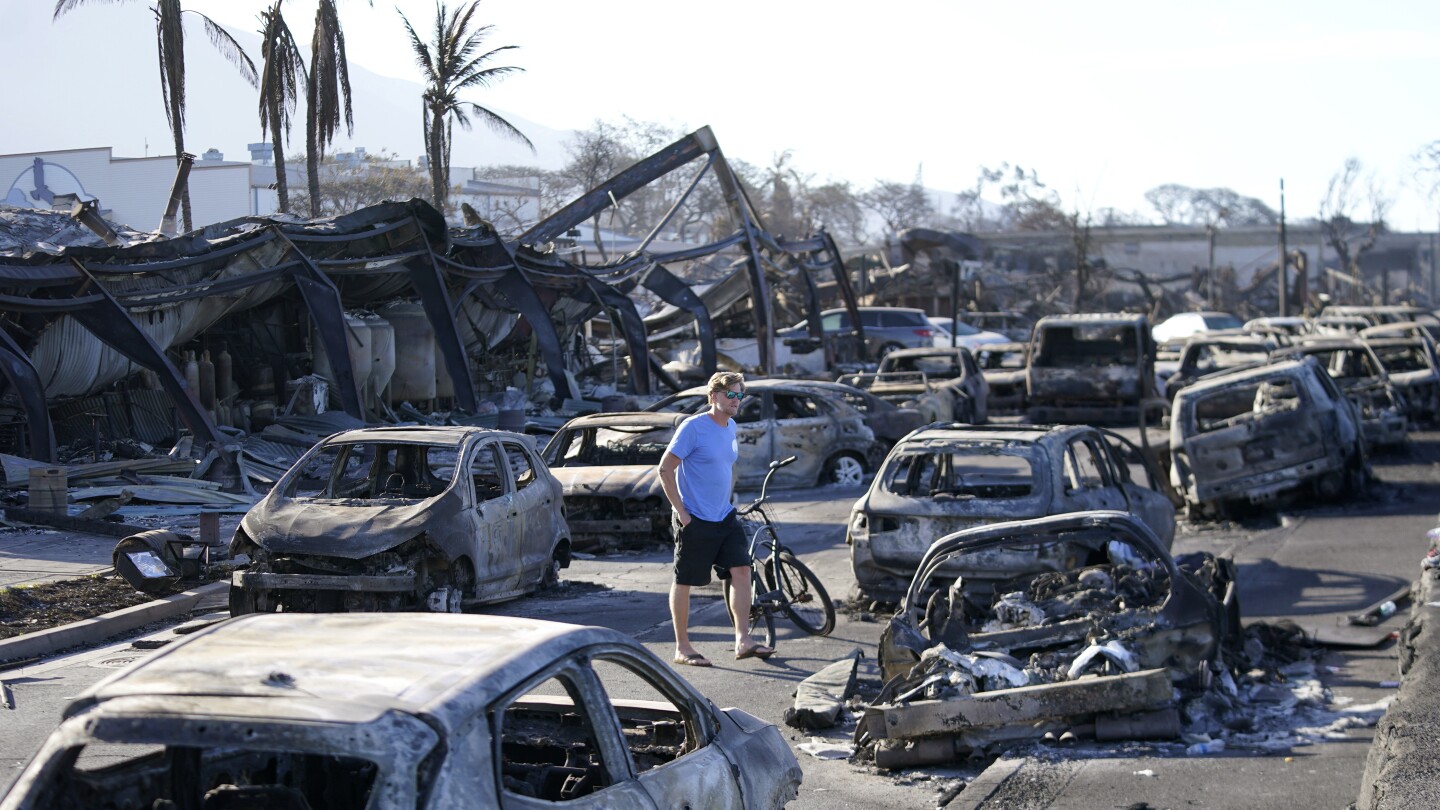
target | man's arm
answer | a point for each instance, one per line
(669, 466)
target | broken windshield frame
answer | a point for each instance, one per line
(373, 470)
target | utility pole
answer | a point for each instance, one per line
(1284, 257)
(1210, 231)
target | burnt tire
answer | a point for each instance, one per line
(803, 598)
(844, 469)
(550, 577)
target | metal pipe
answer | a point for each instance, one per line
(87, 213)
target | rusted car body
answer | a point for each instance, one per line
(1090, 369)
(403, 518)
(1413, 367)
(778, 419)
(292, 711)
(944, 384)
(1003, 365)
(944, 478)
(1110, 630)
(1362, 377)
(608, 467)
(1207, 354)
(889, 422)
(1252, 434)
(1387, 314)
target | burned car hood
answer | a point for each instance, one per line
(350, 530)
(625, 482)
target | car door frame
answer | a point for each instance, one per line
(751, 471)
(535, 504)
(1109, 494)
(1154, 501)
(496, 539)
(811, 454)
(625, 789)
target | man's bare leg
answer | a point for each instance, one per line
(740, 586)
(680, 617)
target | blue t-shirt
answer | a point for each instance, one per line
(707, 454)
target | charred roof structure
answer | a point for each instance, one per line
(76, 321)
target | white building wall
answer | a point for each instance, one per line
(134, 191)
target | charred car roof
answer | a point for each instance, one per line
(958, 431)
(281, 660)
(426, 434)
(628, 418)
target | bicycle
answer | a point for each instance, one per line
(788, 585)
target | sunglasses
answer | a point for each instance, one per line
(734, 394)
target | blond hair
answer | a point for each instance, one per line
(722, 380)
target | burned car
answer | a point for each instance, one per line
(608, 465)
(1089, 369)
(944, 478)
(945, 384)
(403, 518)
(889, 422)
(1411, 364)
(1206, 354)
(1361, 376)
(1003, 365)
(778, 419)
(1095, 639)
(298, 711)
(1252, 434)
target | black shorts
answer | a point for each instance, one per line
(704, 544)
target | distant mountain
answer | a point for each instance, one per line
(90, 79)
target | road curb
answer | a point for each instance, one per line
(89, 631)
(1400, 769)
(985, 785)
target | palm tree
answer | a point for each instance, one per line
(170, 38)
(283, 74)
(327, 94)
(450, 64)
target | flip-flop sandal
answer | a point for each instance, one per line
(755, 651)
(692, 660)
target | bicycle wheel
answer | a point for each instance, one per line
(803, 598)
(761, 614)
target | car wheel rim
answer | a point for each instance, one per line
(848, 471)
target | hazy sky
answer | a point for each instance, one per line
(1104, 99)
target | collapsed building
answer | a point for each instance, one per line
(216, 332)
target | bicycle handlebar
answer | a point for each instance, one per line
(765, 485)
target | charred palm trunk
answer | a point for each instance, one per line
(437, 159)
(282, 185)
(312, 149)
(186, 221)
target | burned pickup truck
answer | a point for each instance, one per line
(1090, 369)
(1093, 643)
(1252, 434)
(944, 384)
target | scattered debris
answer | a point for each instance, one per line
(1088, 641)
(820, 698)
(821, 748)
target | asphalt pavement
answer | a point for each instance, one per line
(1312, 563)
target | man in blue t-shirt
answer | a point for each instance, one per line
(696, 473)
